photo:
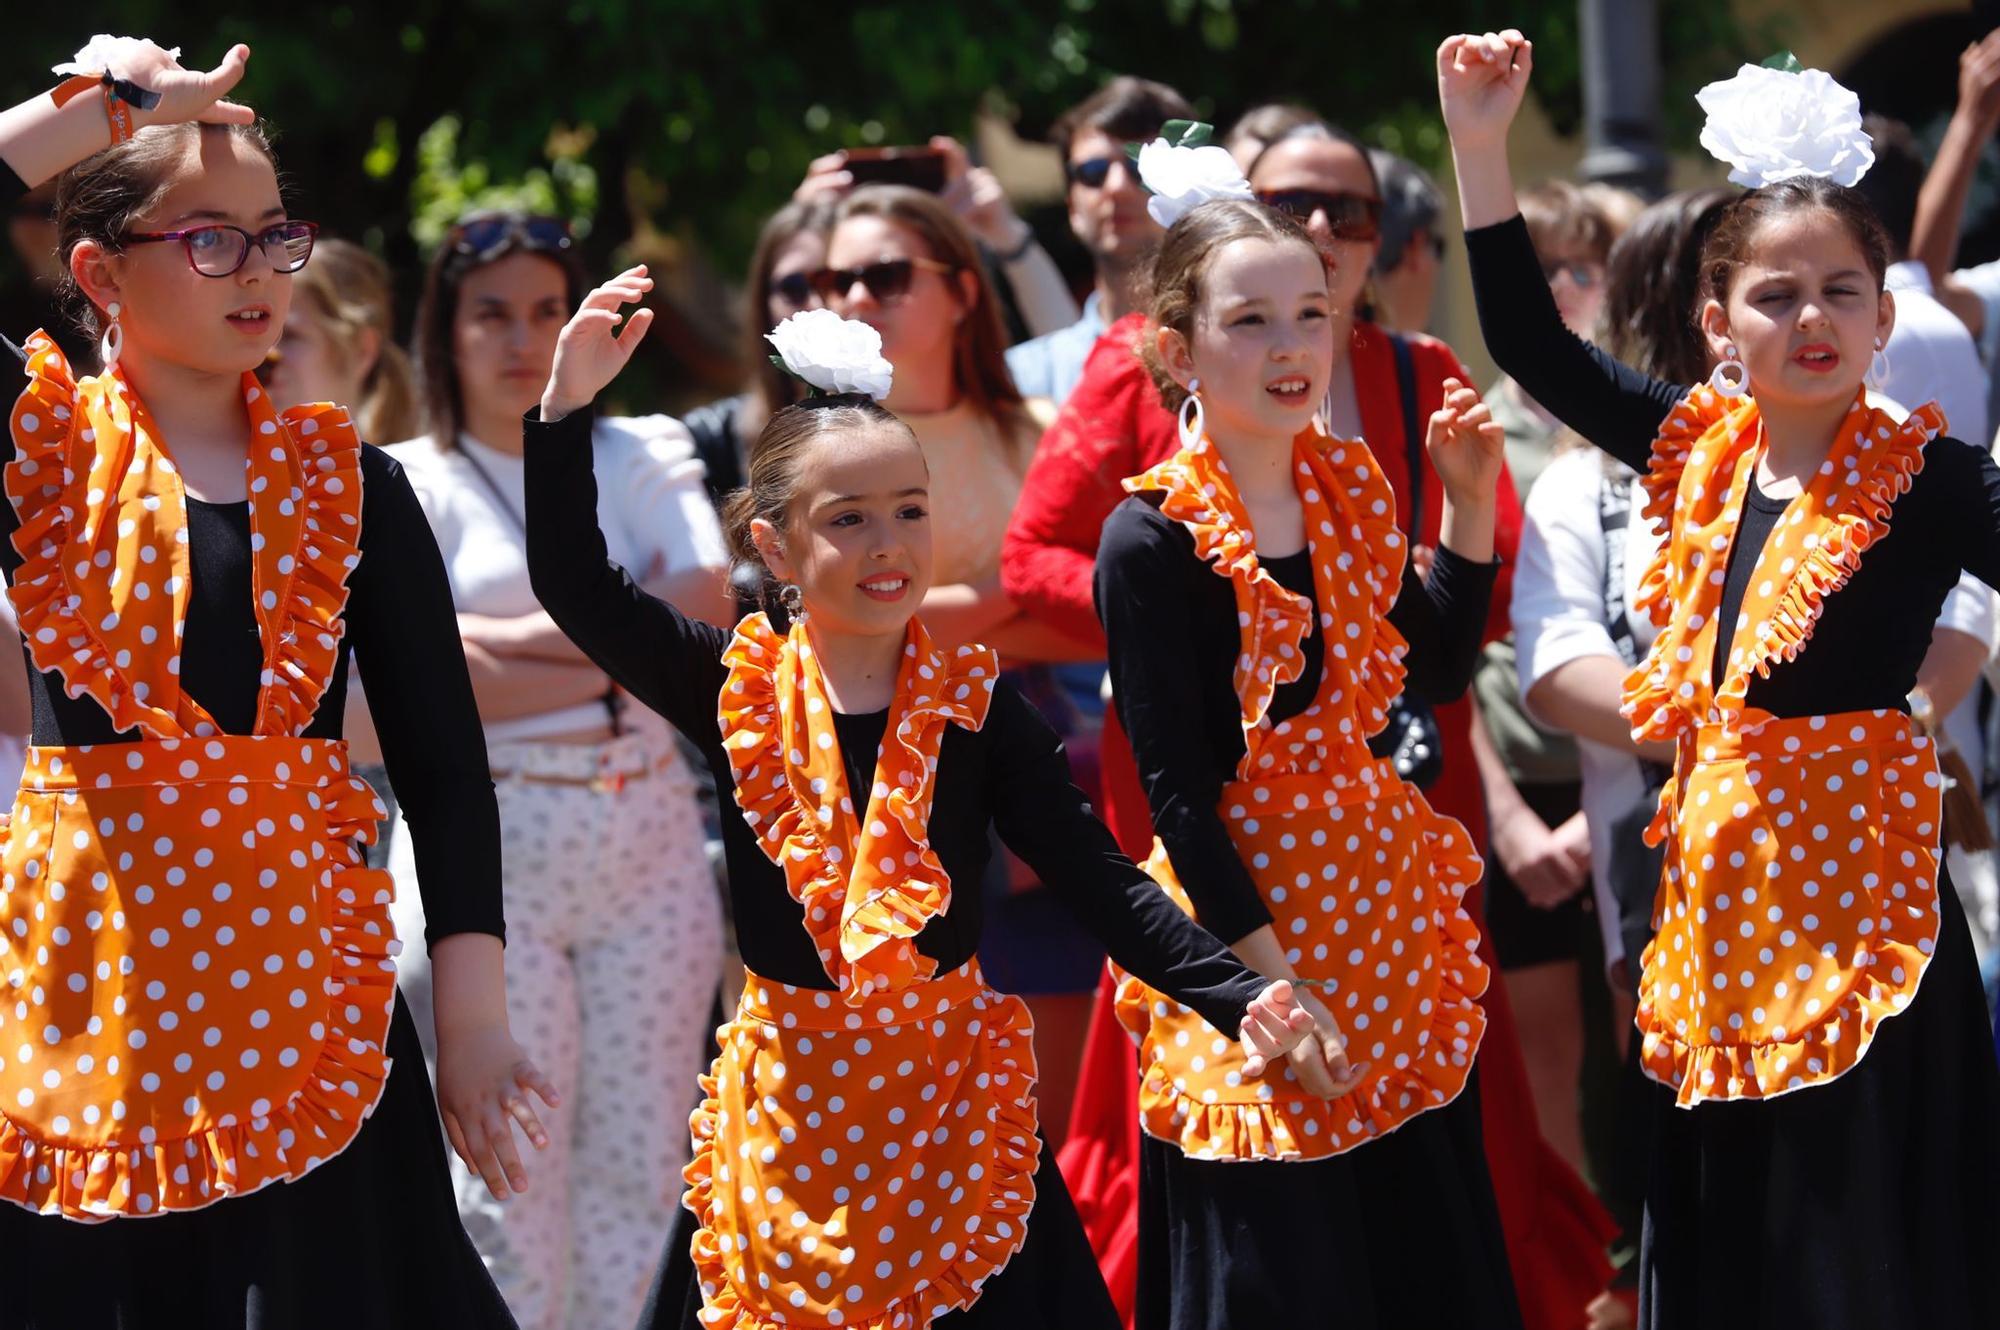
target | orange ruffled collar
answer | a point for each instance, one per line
(869, 883)
(1357, 554)
(102, 590)
(1702, 465)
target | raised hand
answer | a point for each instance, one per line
(186, 94)
(1466, 445)
(593, 348)
(1481, 79)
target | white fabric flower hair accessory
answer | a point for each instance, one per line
(1182, 170)
(105, 54)
(1777, 121)
(831, 354)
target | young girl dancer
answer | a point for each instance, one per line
(1810, 1008)
(1259, 603)
(201, 992)
(867, 1154)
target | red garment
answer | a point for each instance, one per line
(1113, 426)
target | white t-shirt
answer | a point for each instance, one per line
(1559, 616)
(651, 507)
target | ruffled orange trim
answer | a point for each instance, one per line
(302, 639)
(1283, 1124)
(1707, 443)
(336, 1095)
(869, 885)
(37, 482)
(991, 1240)
(1347, 500)
(1890, 958)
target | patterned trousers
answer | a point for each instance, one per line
(614, 950)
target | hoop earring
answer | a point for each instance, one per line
(1878, 367)
(1730, 377)
(792, 599)
(1193, 420)
(112, 343)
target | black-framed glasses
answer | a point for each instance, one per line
(794, 288)
(218, 249)
(1355, 217)
(888, 280)
(483, 235)
(1093, 171)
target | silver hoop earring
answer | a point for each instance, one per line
(1730, 377)
(1878, 367)
(1194, 421)
(112, 343)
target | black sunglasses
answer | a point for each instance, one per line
(484, 235)
(1353, 217)
(1092, 172)
(888, 280)
(794, 288)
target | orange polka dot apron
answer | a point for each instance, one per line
(1797, 907)
(1364, 881)
(863, 1157)
(195, 966)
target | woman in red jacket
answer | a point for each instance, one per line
(1113, 426)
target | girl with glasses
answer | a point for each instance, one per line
(205, 1042)
(615, 942)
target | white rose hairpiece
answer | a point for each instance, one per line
(1776, 121)
(832, 354)
(105, 54)
(1182, 170)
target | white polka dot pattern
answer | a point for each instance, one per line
(863, 1167)
(196, 961)
(1364, 881)
(1798, 902)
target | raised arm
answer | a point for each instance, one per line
(1480, 84)
(40, 139)
(668, 661)
(1941, 202)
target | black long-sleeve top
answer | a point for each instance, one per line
(1011, 774)
(1172, 625)
(404, 631)
(1873, 633)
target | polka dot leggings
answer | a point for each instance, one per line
(614, 950)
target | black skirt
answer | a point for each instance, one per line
(369, 1238)
(1052, 1283)
(1399, 1234)
(1870, 1203)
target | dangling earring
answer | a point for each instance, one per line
(1731, 377)
(793, 600)
(1878, 366)
(113, 342)
(1194, 421)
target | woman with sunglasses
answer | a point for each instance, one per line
(790, 249)
(899, 261)
(615, 941)
(204, 1040)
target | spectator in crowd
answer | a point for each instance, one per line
(1261, 126)
(614, 928)
(1107, 211)
(1412, 253)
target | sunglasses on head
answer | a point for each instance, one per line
(1350, 216)
(484, 235)
(1092, 172)
(887, 280)
(219, 250)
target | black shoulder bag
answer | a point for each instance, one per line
(1418, 747)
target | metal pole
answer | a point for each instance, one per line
(1621, 94)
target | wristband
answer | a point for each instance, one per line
(120, 97)
(1016, 254)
